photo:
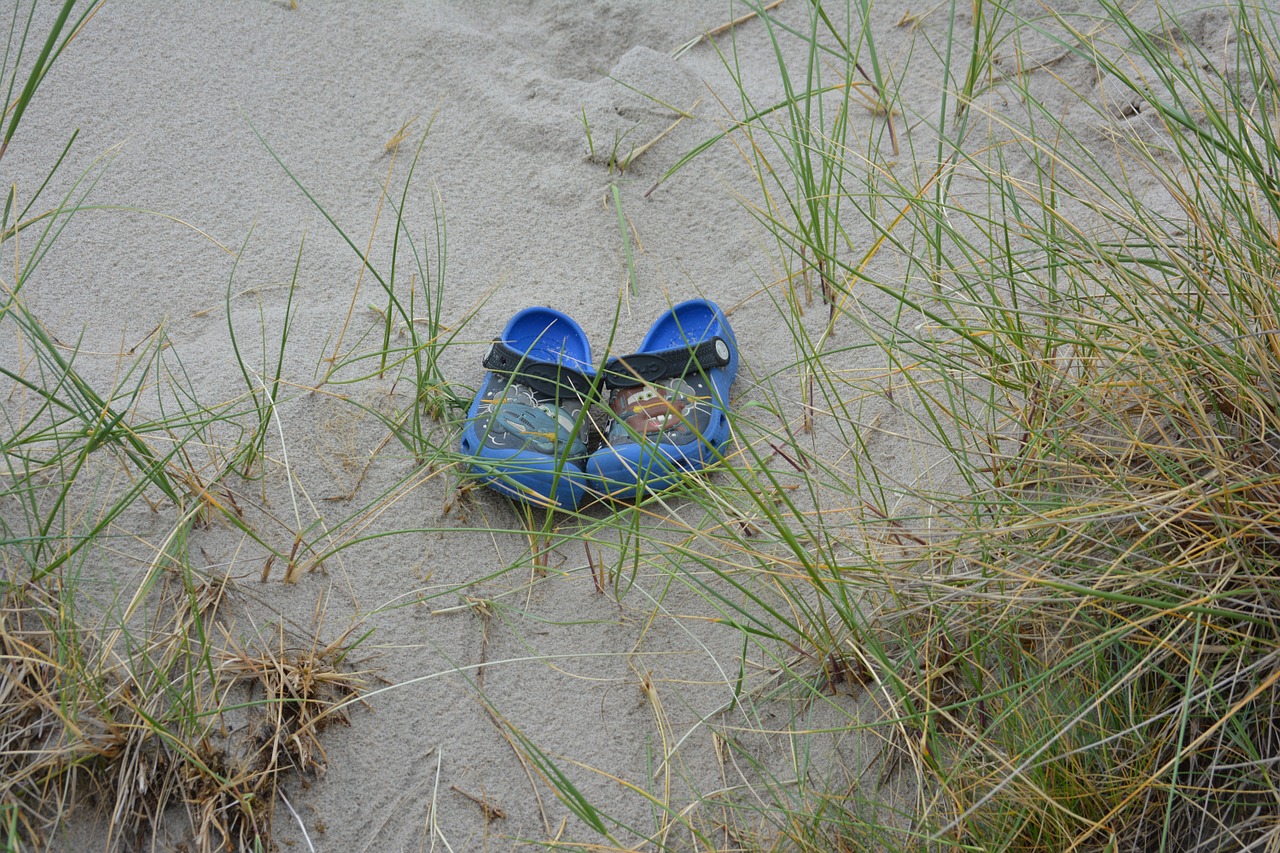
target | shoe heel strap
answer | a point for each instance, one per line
(628, 371)
(553, 380)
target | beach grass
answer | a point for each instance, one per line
(1071, 633)
(1057, 630)
(1067, 620)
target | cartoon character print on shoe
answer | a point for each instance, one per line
(515, 417)
(676, 412)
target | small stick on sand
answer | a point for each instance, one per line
(723, 28)
(491, 812)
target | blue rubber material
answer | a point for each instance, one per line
(638, 455)
(522, 444)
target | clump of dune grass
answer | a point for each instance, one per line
(163, 715)
(1076, 647)
(1068, 620)
(123, 691)
(117, 683)
(294, 693)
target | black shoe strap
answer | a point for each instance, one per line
(550, 380)
(628, 371)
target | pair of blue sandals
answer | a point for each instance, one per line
(527, 429)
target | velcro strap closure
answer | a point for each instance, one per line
(547, 379)
(639, 368)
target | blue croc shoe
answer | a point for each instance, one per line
(669, 401)
(526, 433)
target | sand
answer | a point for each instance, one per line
(170, 99)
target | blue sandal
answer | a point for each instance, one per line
(670, 402)
(526, 433)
